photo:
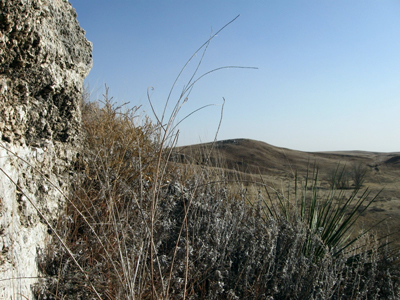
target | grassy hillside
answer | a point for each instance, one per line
(255, 161)
(258, 157)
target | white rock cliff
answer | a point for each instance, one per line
(44, 58)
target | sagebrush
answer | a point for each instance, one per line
(209, 241)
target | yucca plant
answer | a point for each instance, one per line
(331, 217)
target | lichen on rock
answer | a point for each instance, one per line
(44, 58)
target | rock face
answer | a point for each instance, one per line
(44, 57)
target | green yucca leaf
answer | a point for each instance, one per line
(331, 218)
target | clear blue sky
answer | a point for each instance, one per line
(328, 77)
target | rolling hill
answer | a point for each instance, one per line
(250, 160)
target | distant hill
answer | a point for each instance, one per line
(257, 157)
(249, 160)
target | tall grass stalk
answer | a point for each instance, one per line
(118, 154)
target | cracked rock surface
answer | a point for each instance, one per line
(44, 58)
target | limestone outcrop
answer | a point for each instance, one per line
(44, 58)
